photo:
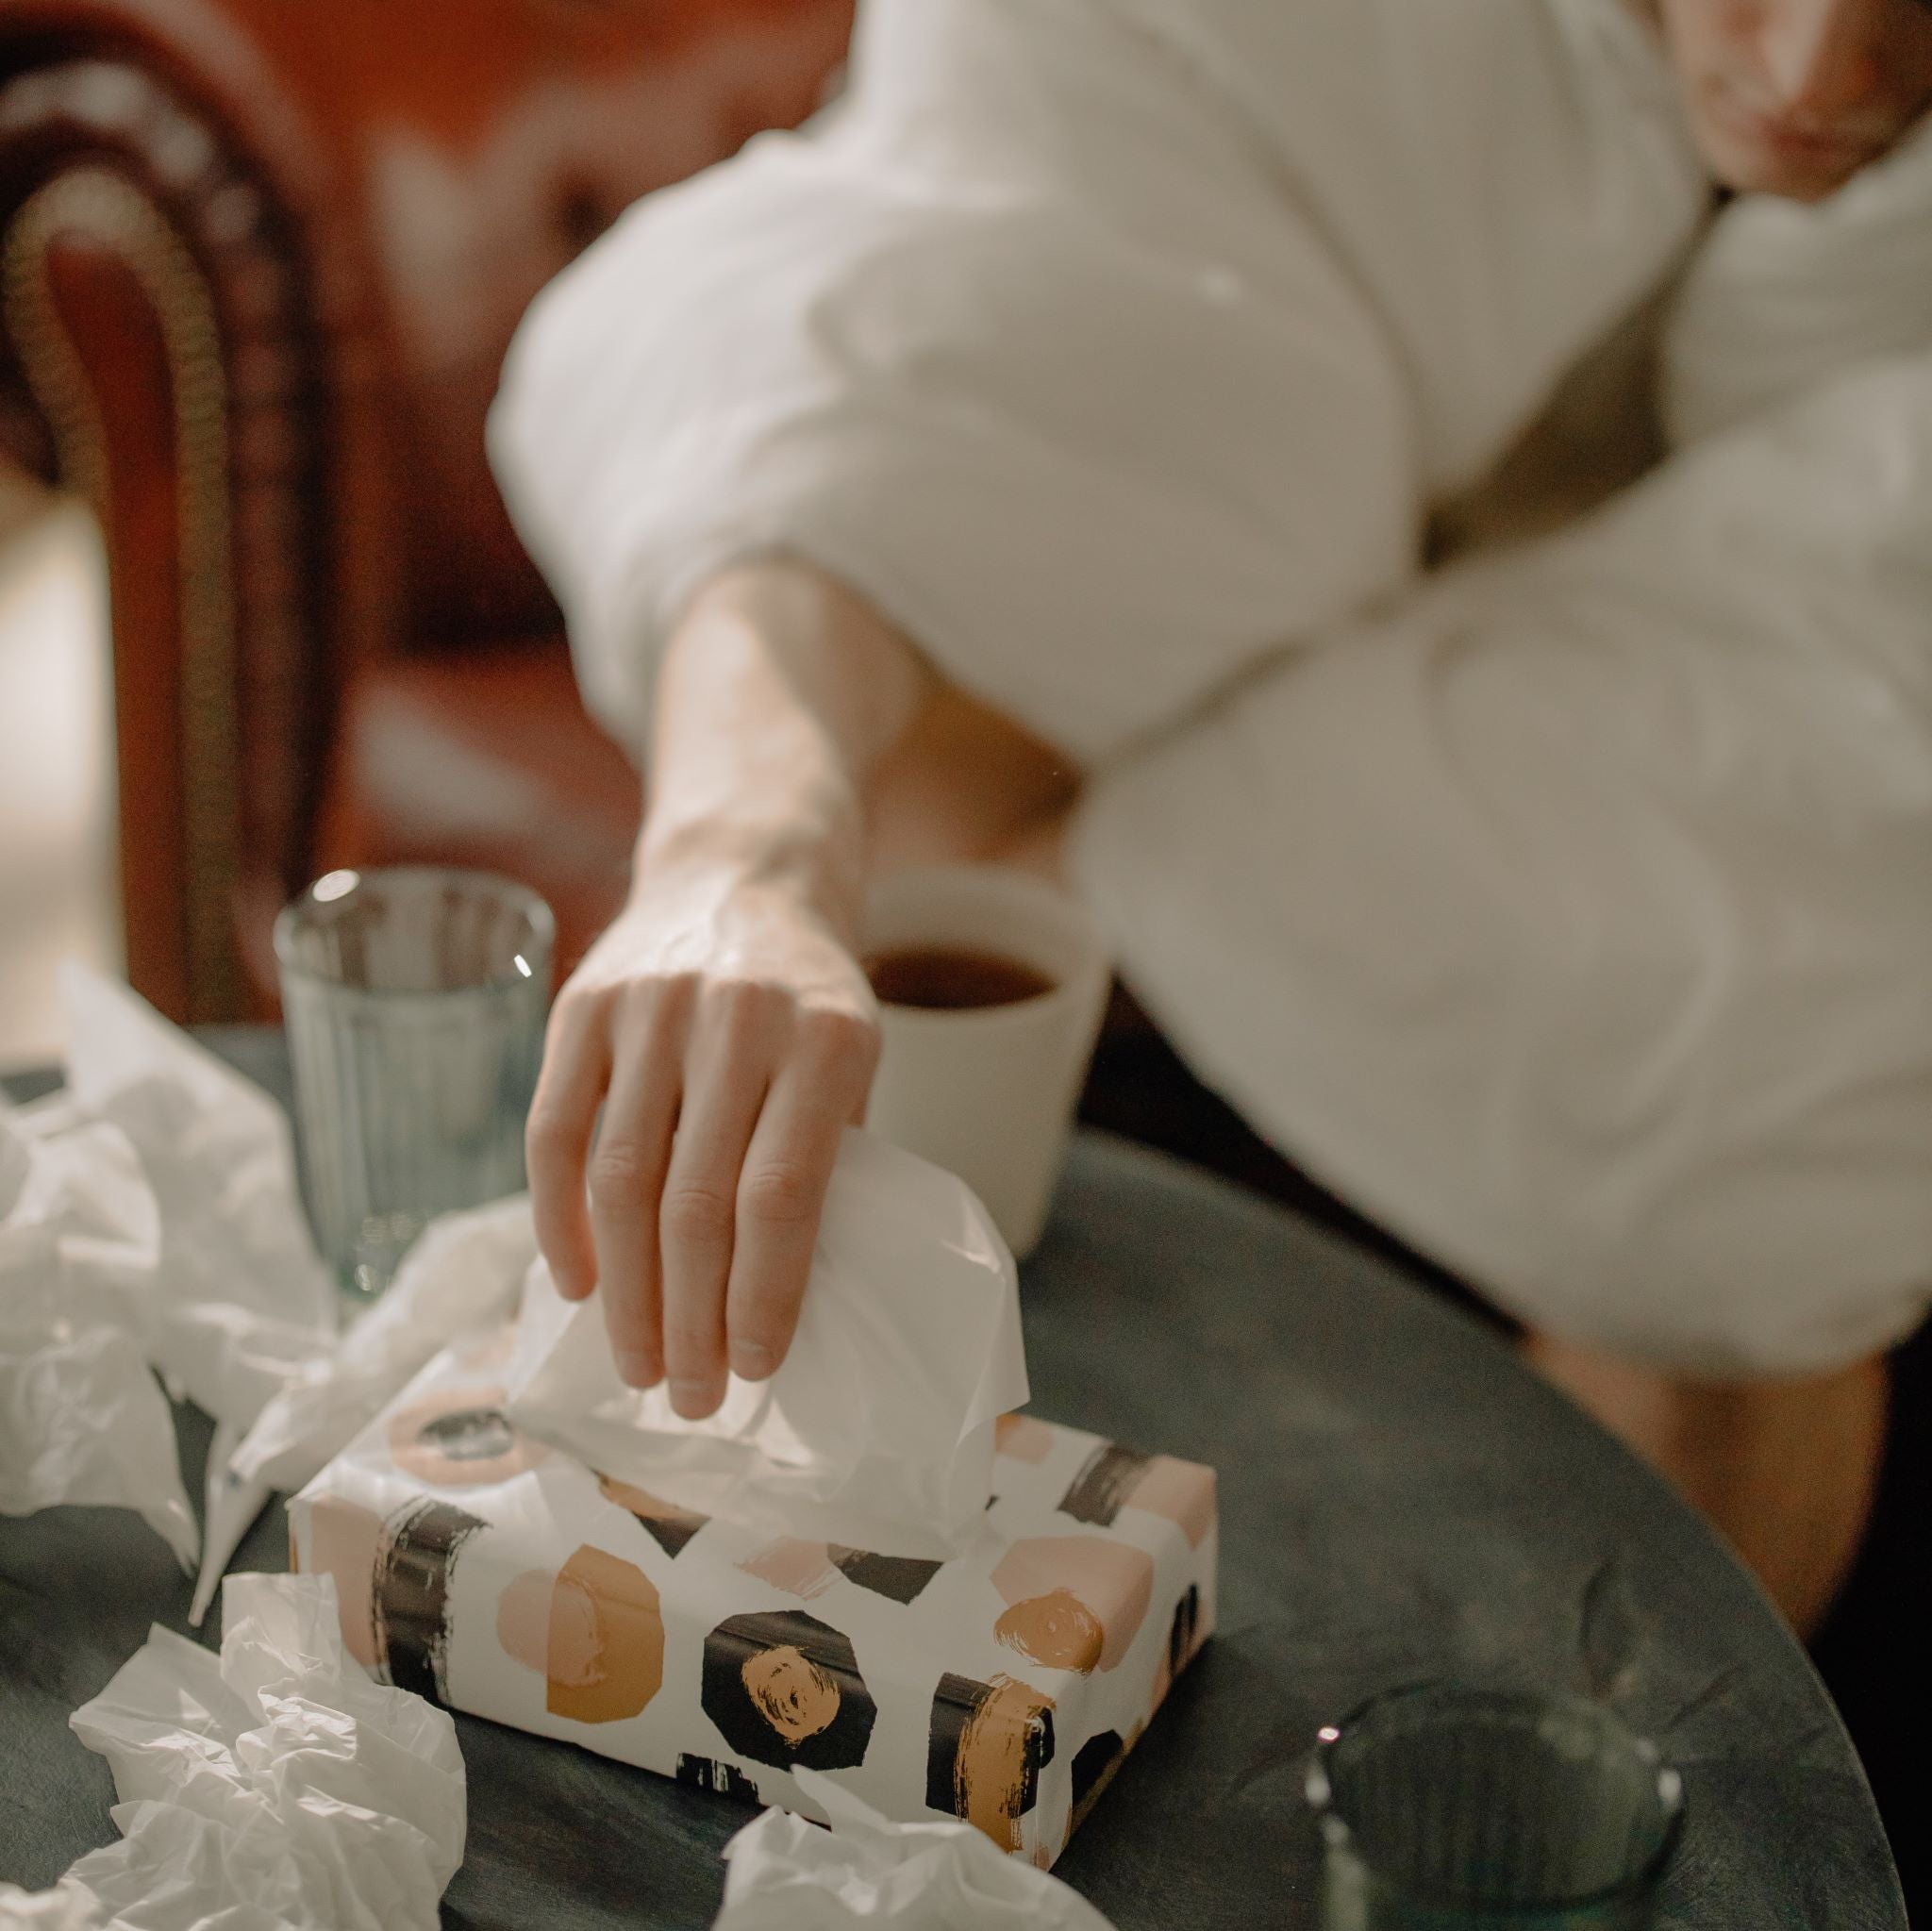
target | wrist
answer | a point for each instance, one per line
(813, 857)
(777, 693)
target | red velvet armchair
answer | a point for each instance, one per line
(259, 260)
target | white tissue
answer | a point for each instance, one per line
(463, 1275)
(787, 1875)
(82, 1420)
(78, 1187)
(149, 1215)
(877, 1431)
(241, 1300)
(230, 1503)
(66, 1907)
(275, 1788)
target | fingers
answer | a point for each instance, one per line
(781, 1194)
(626, 1176)
(556, 1140)
(694, 1201)
(726, 1081)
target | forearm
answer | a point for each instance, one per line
(779, 695)
(803, 740)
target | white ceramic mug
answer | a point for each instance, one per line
(989, 1092)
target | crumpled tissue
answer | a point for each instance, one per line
(275, 1788)
(82, 1420)
(877, 1432)
(787, 1874)
(149, 1216)
(66, 1907)
(242, 1300)
(462, 1276)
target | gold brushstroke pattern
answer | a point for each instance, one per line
(789, 1690)
(998, 1753)
(1057, 1629)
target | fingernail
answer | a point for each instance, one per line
(693, 1399)
(638, 1369)
(752, 1360)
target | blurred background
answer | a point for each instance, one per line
(262, 612)
(59, 883)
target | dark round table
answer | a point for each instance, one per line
(1400, 1500)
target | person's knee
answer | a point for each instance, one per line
(1775, 1271)
(1693, 1414)
(1785, 1469)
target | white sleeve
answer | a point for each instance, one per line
(1505, 179)
(1020, 341)
(1575, 918)
(1783, 294)
(1103, 345)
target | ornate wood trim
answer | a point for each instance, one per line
(110, 155)
(108, 209)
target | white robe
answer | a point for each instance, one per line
(1570, 909)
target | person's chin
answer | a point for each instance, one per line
(1756, 160)
(1793, 173)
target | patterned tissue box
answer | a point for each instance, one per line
(497, 1576)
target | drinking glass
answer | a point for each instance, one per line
(1448, 1808)
(414, 999)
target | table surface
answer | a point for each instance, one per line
(1400, 1500)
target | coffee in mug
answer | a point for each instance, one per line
(952, 978)
(991, 984)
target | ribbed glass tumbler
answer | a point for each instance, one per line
(1452, 1808)
(414, 1000)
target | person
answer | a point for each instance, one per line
(1046, 455)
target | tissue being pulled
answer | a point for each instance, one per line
(275, 1788)
(867, 1871)
(731, 1605)
(877, 1432)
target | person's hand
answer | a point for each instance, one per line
(730, 1036)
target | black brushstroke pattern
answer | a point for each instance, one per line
(724, 1779)
(1095, 1494)
(954, 1704)
(671, 1531)
(840, 1745)
(469, 1434)
(1095, 1764)
(414, 1559)
(1183, 1632)
(899, 1577)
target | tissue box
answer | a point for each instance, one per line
(494, 1575)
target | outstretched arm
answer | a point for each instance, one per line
(722, 1025)
(1038, 343)
(703, 1061)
